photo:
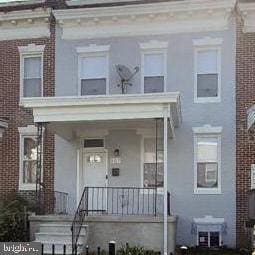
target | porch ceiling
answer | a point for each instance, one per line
(107, 107)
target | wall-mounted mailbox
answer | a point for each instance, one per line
(115, 172)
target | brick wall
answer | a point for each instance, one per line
(245, 146)
(20, 117)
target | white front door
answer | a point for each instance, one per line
(95, 177)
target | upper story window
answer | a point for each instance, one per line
(207, 161)
(207, 70)
(154, 66)
(93, 70)
(31, 70)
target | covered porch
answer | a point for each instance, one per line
(111, 154)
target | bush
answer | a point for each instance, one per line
(13, 219)
(135, 250)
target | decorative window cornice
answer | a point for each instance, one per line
(145, 19)
(93, 48)
(207, 41)
(153, 45)
(207, 129)
(28, 130)
(31, 49)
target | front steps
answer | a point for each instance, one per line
(58, 232)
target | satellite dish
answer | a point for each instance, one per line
(126, 75)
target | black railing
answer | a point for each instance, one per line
(51, 202)
(78, 220)
(121, 201)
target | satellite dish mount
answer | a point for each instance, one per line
(125, 75)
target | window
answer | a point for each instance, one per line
(93, 75)
(154, 66)
(93, 143)
(31, 70)
(207, 161)
(209, 239)
(28, 158)
(153, 162)
(207, 70)
(154, 72)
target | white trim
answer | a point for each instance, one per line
(207, 41)
(85, 52)
(207, 129)
(145, 19)
(107, 107)
(29, 51)
(247, 11)
(21, 2)
(209, 135)
(149, 51)
(153, 45)
(78, 187)
(25, 132)
(25, 24)
(206, 47)
(92, 48)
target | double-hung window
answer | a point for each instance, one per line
(93, 75)
(28, 158)
(153, 164)
(154, 66)
(31, 70)
(209, 239)
(207, 163)
(93, 70)
(207, 70)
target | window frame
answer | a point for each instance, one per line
(154, 47)
(160, 190)
(30, 51)
(209, 135)
(26, 132)
(198, 49)
(93, 53)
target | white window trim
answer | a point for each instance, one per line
(153, 47)
(31, 50)
(215, 132)
(160, 190)
(205, 44)
(93, 50)
(25, 132)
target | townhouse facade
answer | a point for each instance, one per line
(140, 110)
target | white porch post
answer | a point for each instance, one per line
(165, 183)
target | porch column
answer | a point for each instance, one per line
(165, 182)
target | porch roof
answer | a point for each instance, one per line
(250, 117)
(106, 107)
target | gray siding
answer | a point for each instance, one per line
(180, 78)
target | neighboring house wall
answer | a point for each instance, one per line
(180, 77)
(245, 98)
(17, 116)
